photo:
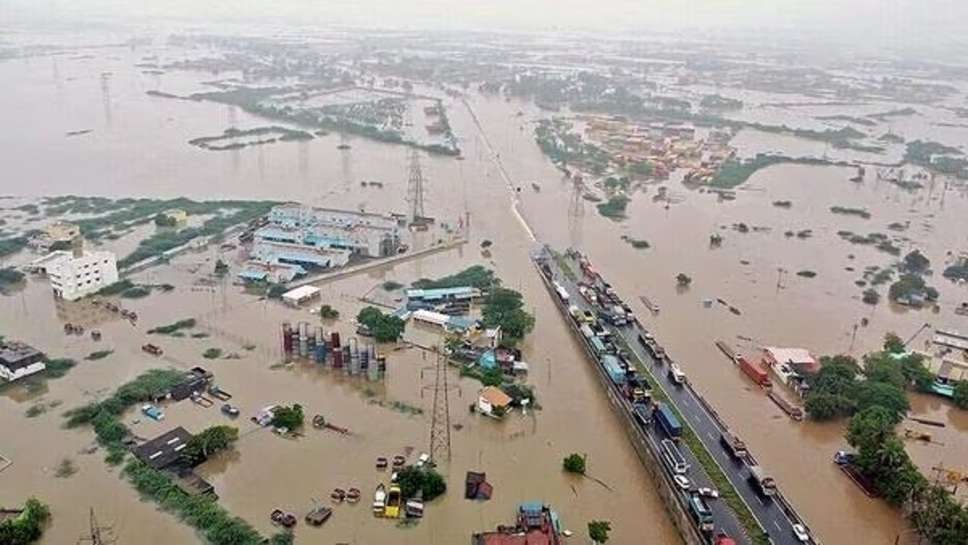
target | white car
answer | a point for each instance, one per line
(682, 481)
(708, 492)
(800, 531)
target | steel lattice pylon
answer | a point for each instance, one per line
(440, 417)
(415, 189)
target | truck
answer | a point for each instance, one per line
(734, 445)
(668, 422)
(562, 292)
(701, 513)
(598, 345)
(677, 375)
(755, 372)
(673, 458)
(613, 367)
(642, 413)
(586, 331)
(763, 482)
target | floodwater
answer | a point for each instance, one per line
(139, 148)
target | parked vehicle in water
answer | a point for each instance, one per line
(152, 412)
(152, 349)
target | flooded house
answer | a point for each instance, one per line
(18, 360)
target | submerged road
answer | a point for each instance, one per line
(772, 513)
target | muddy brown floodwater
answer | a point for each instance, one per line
(139, 148)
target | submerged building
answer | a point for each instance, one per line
(361, 233)
(297, 239)
(17, 360)
(537, 524)
(74, 274)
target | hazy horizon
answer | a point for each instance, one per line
(898, 25)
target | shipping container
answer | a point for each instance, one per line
(668, 422)
(755, 372)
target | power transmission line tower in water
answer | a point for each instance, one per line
(98, 535)
(415, 191)
(440, 413)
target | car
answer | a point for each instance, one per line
(707, 492)
(800, 531)
(588, 316)
(682, 481)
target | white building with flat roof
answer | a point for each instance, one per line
(75, 274)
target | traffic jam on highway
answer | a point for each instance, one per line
(614, 336)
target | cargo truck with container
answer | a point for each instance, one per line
(613, 366)
(668, 422)
(761, 481)
(755, 372)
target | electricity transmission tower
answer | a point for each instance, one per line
(440, 413)
(415, 190)
(97, 535)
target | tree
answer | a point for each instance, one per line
(893, 343)
(683, 280)
(598, 530)
(221, 267)
(384, 327)
(825, 406)
(891, 397)
(882, 367)
(423, 480)
(288, 417)
(211, 440)
(961, 394)
(574, 463)
(916, 263)
(504, 307)
(871, 427)
(326, 312)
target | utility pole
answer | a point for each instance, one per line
(97, 535)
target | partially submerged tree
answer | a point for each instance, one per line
(598, 530)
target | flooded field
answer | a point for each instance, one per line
(138, 147)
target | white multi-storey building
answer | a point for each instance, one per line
(76, 274)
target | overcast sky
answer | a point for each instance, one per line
(902, 21)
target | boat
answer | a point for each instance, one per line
(353, 495)
(398, 461)
(394, 499)
(319, 515)
(381, 463)
(281, 518)
(379, 500)
(338, 495)
(319, 421)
